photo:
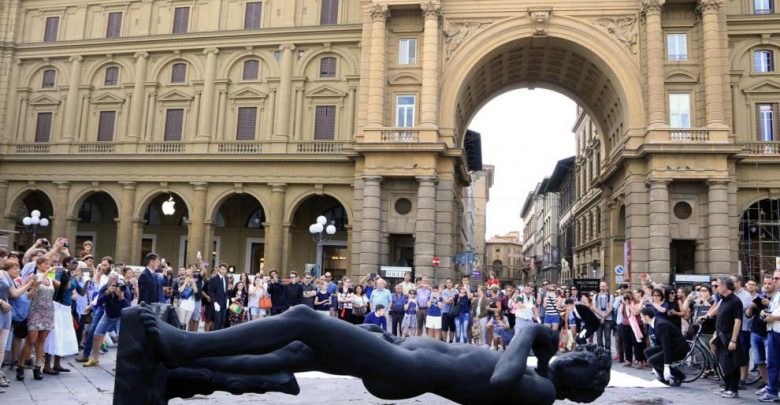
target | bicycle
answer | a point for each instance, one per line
(701, 358)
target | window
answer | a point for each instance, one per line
(106, 126)
(247, 121)
(764, 61)
(404, 112)
(174, 120)
(252, 15)
(112, 76)
(767, 121)
(52, 26)
(325, 122)
(278, 55)
(114, 27)
(407, 52)
(43, 127)
(181, 19)
(677, 47)
(680, 110)
(763, 6)
(329, 12)
(328, 67)
(251, 68)
(178, 73)
(48, 79)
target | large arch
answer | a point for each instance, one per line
(239, 232)
(580, 60)
(97, 212)
(23, 205)
(329, 255)
(165, 234)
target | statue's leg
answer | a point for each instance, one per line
(186, 382)
(295, 357)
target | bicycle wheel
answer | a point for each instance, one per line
(693, 364)
(753, 376)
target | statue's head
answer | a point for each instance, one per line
(581, 375)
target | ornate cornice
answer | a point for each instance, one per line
(379, 12)
(647, 6)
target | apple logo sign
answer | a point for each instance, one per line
(168, 207)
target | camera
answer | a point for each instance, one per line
(45, 242)
(121, 285)
(65, 244)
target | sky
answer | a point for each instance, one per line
(524, 134)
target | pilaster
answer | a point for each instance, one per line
(135, 121)
(205, 121)
(425, 226)
(124, 225)
(282, 121)
(378, 59)
(655, 63)
(371, 224)
(72, 102)
(660, 236)
(718, 227)
(713, 72)
(274, 243)
(195, 230)
(429, 105)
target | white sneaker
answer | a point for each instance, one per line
(761, 392)
(729, 394)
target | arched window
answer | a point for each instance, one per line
(251, 69)
(112, 76)
(328, 67)
(497, 266)
(49, 76)
(178, 73)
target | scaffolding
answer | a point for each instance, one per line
(759, 243)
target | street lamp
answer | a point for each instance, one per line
(320, 232)
(34, 221)
(595, 264)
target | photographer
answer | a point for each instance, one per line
(112, 301)
(62, 340)
(277, 291)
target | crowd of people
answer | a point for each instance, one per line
(54, 304)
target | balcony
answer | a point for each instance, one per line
(400, 135)
(321, 147)
(32, 149)
(239, 148)
(689, 135)
(761, 148)
(170, 148)
(96, 148)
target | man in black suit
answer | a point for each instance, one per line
(148, 289)
(218, 296)
(671, 347)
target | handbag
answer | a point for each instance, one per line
(187, 293)
(265, 302)
(236, 308)
(20, 308)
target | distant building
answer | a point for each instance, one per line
(563, 184)
(588, 252)
(474, 220)
(505, 258)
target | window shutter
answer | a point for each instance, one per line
(329, 12)
(181, 17)
(251, 68)
(325, 122)
(52, 26)
(775, 121)
(114, 27)
(174, 120)
(43, 127)
(328, 67)
(112, 76)
(178, 73)
(106, 126)
(48, 79)
(252, 15)
(247, 120)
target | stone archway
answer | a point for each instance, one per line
(330, 255)
(96, 216)
(22, 207)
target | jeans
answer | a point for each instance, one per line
(97, 313)
(462, 327)
(773, 361)
(758, 347)
(483, 328)
(604, 335)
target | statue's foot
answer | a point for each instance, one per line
(186, 382)
(163, 337)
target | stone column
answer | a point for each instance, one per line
(282, 121)
(718, 227)
(196, 229)
(124, 226)
(656, 99)
(72, 103)
(11, 127)
(378, 59)
(713, 74)
(59, 226)
(429, 105)
(135, 122)
(135, 242)
(207, 97)
(425, 226)
(274, 241)
(372, 224)
(660, 238)
(446, 229)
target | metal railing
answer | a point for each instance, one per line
(240, 148)
(97, 148)
(762, 148)
(32, 149)
(166, 147)
(400, 135)
(321, 147)
(689, 135)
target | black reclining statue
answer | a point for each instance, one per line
(157, 362)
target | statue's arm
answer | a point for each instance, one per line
(512, 365)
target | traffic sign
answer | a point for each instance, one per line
(436, 262)
(619, 270)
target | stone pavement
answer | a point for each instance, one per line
(96, 385)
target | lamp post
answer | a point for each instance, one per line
(320, 231)
(595, 264)
(34, 221)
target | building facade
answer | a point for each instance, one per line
(481, 182)
(256, 117)
(504, 257)
(586, 211)
(562, 182)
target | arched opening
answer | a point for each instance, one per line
(308, 252)
(497, 267)
(239, 234)
(23, 207)
(97, 223)
(759, 238)
(165, 229)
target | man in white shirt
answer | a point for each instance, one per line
(525, 309)
(772, 318)
(602, 306)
